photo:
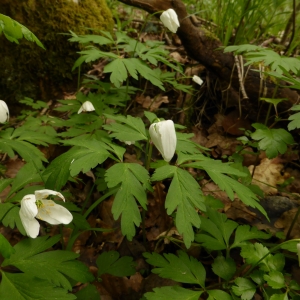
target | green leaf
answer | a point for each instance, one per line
(26, 287)
(5, 248)
(181, 268)
(245, 232)
(224, 267)
(273, 141)
(281, 297)
(89, 292)
(174, 293)
(111, 263)
(132, 179)
(132, 129)
(52, 265)
(215, 169)
(28, 174)
(14, 31)
(244, 288)
(295, 118)
(275, 279)
(253, 253)
(219, 230)
(218, 295)
(12, 218)
(184, 196)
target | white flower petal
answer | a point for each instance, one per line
(129, 142)
(53, 213)
(170, 20)
(164, 138)
(197, 79)
(31, 225)
(43, 194)
(28, 206)
(4, 112)
(86, 106)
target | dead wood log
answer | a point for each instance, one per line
(204, 47)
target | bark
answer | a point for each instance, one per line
(202, 46)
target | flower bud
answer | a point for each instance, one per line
(170, 20)
(197, 79)
(4, 112)
(86, 106)
(163, 136)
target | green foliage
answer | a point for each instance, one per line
(295, 118)
(44, 275)
(111, 263)
(173, 292)
(15, 31)
(184, 196)
(216, 169)
(6, 249)
(272, 140)
(256, 54)
(181, 268)
(244, 288)
(132, 180)
(122, 67)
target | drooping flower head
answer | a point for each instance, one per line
(86, 106)
(197, 79)
(163, 136)
(37, 206)
(4, 112)
(170, 20)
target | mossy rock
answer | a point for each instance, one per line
(28, 70)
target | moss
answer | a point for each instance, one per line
(26, 69)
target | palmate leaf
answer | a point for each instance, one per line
(173, 292)
(273, 141)
(277, 63)
(27, 151)
(215, 170)
(181, 268)
(224, 267)
(26, 287)
(245, 232)
(53, 266)
(126, 128)
(132, 180)
(9, 216)
(184, 196)
(218, 230)
(295, 118)
(121, 67)
(111, 263)
(244, 288)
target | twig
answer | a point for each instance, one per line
(239, 61)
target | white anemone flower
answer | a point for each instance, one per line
(86, 106)
(4, 112)
(170, 20)
(163, 136)
(197, 79)
(37, 206)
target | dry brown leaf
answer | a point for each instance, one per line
(268, 174)
(152, 104)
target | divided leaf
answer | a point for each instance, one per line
(26, 287)
(174, 293)
(273, 141)
(184, 196)
(181, 268)
(132, 180)
(53, 266)
(110, 263)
